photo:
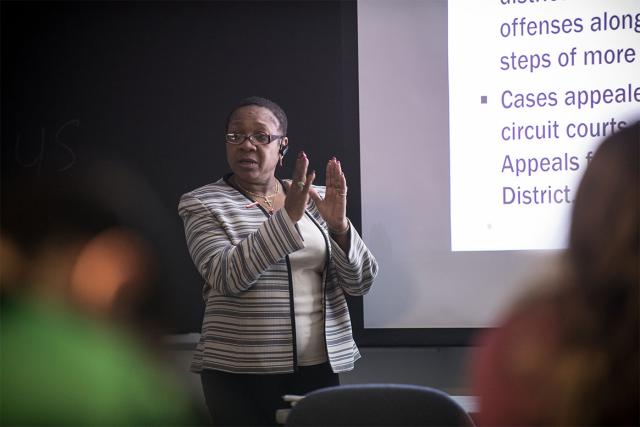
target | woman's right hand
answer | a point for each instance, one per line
(298, 194)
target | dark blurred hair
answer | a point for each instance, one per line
(52, 210)
(265, 103)
(99, 193)
(604, 263)
(605, 229)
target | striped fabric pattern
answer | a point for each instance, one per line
(242, 255)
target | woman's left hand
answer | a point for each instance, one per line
(333, 207)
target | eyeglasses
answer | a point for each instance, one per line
(259, 138)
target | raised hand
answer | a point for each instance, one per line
(333, 207)
(298, 193)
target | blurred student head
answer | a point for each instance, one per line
(68, 248)
(80, 266)
(604, 270)
(568, 354)
(88, 236)
(603, 243)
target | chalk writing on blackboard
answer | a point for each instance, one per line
(65, 158)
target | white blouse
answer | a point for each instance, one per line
(307, 265)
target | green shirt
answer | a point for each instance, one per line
(60, 368)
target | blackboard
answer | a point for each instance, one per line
(152, 82)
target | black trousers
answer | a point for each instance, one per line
(252, 400)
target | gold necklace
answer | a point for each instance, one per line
(265, 197)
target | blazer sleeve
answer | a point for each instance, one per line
(356, 269)
(231, 269)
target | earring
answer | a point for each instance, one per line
(281, 156)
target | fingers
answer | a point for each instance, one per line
(300, 168)
(302, 178)
(335, 177)
(296, 200)
(340, 181)
(315, 196)
(309, 180)
(329, 173)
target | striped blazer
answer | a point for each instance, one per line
(243, 255)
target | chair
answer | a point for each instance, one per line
(378, 405)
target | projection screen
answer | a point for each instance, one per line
(477, 120)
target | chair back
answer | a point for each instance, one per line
(378, 405)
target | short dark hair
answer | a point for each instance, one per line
(265, 103)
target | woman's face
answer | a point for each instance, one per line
(253, 163)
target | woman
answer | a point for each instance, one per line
(569, 354)
(277, 258)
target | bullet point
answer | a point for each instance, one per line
(483, 99)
